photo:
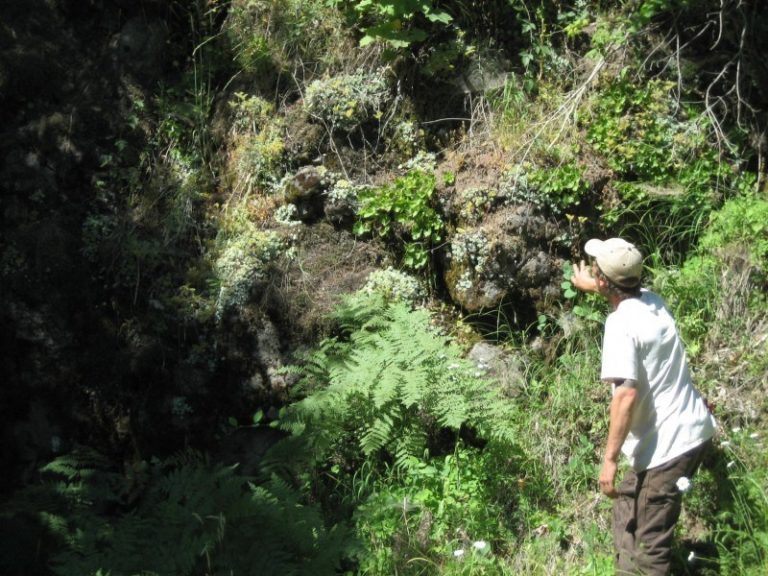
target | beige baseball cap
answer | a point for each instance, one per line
(619, 260)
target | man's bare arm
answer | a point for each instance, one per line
(621, 417)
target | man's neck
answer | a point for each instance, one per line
(615, 299)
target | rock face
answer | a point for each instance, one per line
(505, 368)
(139, 46)
(507, 254)
(73, 354)
(108, 277)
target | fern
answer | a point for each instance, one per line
(378, 434)
(192, 518)
(390, 382)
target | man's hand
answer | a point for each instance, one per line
(607, 478)
(582, 278)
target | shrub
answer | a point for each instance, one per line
(396, 285)
(635, 128)
(402, 211)
(241, 259)
(394, 22)
(271, 34)
(562, 186)
(345, 102)
(257, 157)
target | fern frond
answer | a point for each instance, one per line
(386, 388)
(201, 518)
(410, 448)
(378, 434)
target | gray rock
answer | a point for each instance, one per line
(506, 368)
(507, 253)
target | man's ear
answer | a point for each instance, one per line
(600, 282)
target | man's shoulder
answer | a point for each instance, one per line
(639, 310)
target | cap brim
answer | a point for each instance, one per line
(594, 247)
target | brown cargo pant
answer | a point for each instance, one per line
(645, 514)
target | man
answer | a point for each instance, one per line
(657, 418)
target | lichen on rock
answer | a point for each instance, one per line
(507, 253)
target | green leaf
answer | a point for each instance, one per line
(366, 40)
(439, 16)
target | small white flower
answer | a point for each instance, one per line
(479, 545)
(683, 484)
(725, 443)
(691, 556)
(730, 464)
(453, 366)
(736, 429)
(458, 553)
(754, 436)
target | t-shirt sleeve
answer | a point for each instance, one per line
(620, 358)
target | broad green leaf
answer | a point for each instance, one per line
(439, 16)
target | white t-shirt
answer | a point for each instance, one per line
(669, 417)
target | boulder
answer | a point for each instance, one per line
(507, 254)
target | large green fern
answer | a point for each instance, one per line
(391, 381)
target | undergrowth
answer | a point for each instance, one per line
(401, 455)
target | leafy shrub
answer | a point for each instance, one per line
(378, 402)
(345, 102)
(402, 210)
(562, 186)
(634, 127)
(670, 176)
(555, 189)
(394, 21)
